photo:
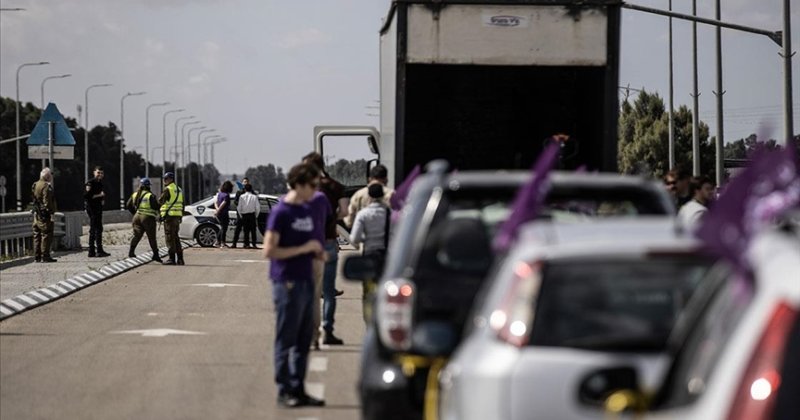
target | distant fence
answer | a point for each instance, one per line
(16, 235)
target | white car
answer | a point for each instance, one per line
(569, 304)
(199, 223)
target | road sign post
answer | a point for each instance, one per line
(51, 138)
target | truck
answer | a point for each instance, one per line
(483, 83)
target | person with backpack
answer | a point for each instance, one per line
(144, 207)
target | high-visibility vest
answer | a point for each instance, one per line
(173, 207)
(144, 206)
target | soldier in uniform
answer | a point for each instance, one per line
(144, 204)
(171, 201)
(94, 198)
(44, 210)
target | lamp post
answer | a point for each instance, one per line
(147, 136)
(201, 181)
(50, 78)
(212, 143)
(164, 141)
(206, 142)
(19, 164)
(122, 147)
(183, 153)
(86, 130)
(189, 146)
(175, 147)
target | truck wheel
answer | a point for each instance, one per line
(206, 236)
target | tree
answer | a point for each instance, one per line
(644, 136)
(267, 179)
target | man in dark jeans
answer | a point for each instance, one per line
(94, 198)
(239, 221)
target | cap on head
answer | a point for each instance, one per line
(145, 181)
(375, 190)
(169, 175)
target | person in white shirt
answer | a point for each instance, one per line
(249, 209)
(691, 213)
(371, 224)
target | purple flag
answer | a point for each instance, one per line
(529, 199)
(768, 187)
(401, 192)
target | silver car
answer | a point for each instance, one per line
(199, 223)
(569, 305)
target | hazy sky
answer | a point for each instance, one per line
(264, 73)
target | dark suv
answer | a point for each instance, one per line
(438, 258)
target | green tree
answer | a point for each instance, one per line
(267, 179)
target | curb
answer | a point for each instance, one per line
(29, 300)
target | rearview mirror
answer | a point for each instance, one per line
(598, 385)
(359, 267)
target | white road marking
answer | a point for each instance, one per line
(152, 314)
(308, 418)
(316, 389)
(318, 364)
(248, 261)
(220, 285)
(158, 332)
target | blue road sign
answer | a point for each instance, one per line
(61, 134)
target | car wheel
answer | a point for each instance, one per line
(206, 236)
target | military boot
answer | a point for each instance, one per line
(170, 261)
(180, 259)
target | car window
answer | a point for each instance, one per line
(622, 305)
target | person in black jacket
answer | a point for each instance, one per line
(94, 199)
(238, 230)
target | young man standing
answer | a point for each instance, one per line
(702, 192)
(94, 199)
(290, 245)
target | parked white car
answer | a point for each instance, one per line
(199, 223)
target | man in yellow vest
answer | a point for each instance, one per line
(171, 201)
(144, 204)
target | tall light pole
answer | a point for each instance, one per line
(206, 142)
(86, 129)
(175, 147)
(19, 152)
(183, 151)
(189, 146)
(719, 92)
(788, 123)
(671, 118)
(212, 143)
(164, 141)
(122, 147)
(147, 136)
(696, 100)
(201, 181)
(50, 78)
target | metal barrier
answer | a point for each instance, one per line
(16, 235)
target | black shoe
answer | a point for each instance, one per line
(48, 260)
(131, 255)
(309, 401)
(332, 340)
(288, 401)
(168, 262)
(102, 254)
(181, 262)
(92, 254)
(37, 259)
(157, 259)
(339, 292)
(234, 246)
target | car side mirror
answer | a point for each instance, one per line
(359, 267)
(434, 338)
(598, 387)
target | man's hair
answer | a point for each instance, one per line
(315, 159)
(45, 174)
(226, 186)
(379, 172)
(302, 174)
(697, 183)
(98, 168)
(248, 187)
(246, 179)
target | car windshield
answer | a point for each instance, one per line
(623, 305)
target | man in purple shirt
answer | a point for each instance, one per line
(291, 245)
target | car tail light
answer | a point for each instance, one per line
(395, 306)
(513, 320)
(755, 398)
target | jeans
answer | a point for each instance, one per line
(95, 230)
(293, 300)
(329, 285)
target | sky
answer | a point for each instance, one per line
(263, 73)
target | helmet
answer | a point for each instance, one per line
(144, 181)
(169, 175)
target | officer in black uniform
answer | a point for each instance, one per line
(94, 198)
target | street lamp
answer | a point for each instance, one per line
(122, 147)
(50, 78)
(147, 136)
(183, 153)
(212, 143)
(175, 147)
(189, 146)
(206, 142)
(164, 140)
(86, 130)
(200, 166)
(19, 164)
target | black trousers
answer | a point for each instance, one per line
(238, 230)
(248, 223)
(95, 230)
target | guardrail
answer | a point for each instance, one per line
(16, 235)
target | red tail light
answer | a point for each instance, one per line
(513, 320)
(755, 398)
(395, 306)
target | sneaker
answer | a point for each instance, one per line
(37, 259)
(332, 340)
(168, 262)
(48, 260)
(288, 401)
(181, 262)
(102, 254)
(308, 400)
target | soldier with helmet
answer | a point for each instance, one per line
(144, 205)
(44, 210)
(171, 201)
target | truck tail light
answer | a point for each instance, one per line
(513, 319)
(755, 397)
(395, 306)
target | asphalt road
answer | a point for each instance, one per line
(192, 342)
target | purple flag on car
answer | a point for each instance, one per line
(769, 186)
(529, 198)
(401, 192)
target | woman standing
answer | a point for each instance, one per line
(222, 204)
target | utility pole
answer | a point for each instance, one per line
(695, 99)
(788, 124)
(719, 92)
(670, 117)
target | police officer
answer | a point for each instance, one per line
(44, 209)
(171, 201)
(94, 198)
(144, 203)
